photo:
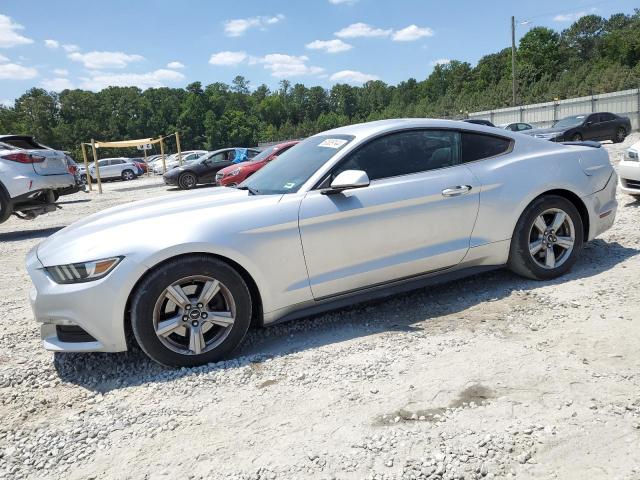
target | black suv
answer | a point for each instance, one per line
(591, 126)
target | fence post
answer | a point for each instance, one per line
(95, 162)
(164, 164)
(86, 166)
(178, 147)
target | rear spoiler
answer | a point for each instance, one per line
(587, 143)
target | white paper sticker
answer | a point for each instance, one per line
(332, 143)
(289, 185)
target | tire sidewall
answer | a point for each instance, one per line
(152, 287)
(128, 175)
(519, 257)
(183, 185)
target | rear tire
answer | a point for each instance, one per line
(620, 135)
(547, 239)
(172, 335)
(6, 207)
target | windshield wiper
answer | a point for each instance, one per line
(251, 191)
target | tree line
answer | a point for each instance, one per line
(594, 55)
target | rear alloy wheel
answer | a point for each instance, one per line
(576, 137)
(191, 311)
(621, 134)
(187, 181)
(128, 175)
(547, 239)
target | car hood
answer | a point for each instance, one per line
(145, 226)
(537, 131)
(233, 166)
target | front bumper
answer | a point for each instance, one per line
(97, 307)
(629, 172)
(170, 180)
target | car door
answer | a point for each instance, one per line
(105, 169)
(210, 166)
(609, 126)
(416, 216)
(593, 129)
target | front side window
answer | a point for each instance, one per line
(103, 163)
(569, 122)
(476, 146)
(404, 153)
(295, 166)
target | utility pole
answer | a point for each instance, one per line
(513, 58)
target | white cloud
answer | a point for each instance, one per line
(356, 30)
(569, 17)
(329, 46)
(282, 66)
(13, 71)
(352, 76)
(155, 79)
(3, 58)
(227, 58)
(7, 103)
(57, 84)
(61, 72)
(342, 2)
(51, 44)
(175, 65)
(9, 36)
(440, 61)
(239, 26)
(101, 60)
(411, 33)
(70, 47)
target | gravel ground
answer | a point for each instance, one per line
(490, 377)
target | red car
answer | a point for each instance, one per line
(235, 174)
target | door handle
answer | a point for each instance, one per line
(456, 191)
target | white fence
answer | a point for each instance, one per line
(542, 115)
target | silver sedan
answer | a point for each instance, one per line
(345, 216)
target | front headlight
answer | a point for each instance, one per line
(83, 272)
(631, 155)
(235, 172)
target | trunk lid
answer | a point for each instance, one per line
(54, 161)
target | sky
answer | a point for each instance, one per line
(151, 43)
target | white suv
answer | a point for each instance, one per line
(32, 177)
(112, 168)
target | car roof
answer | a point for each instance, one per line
(364, 130)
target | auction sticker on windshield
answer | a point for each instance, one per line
(332, 143)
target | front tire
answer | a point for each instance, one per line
(187, 181)
(191, 311)
(547, 239)
(576, 137)
(128, 175)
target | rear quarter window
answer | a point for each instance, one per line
(476, 146)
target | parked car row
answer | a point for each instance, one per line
(32, 177)
(598, 126)
(343, 216)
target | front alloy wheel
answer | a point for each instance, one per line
(190, 311)
(194, 315)
(187, 181)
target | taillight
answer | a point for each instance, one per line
(72, 169)
(24, 158)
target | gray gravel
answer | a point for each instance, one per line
(490, 377)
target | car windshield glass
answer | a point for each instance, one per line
(295, 166)
(263, 154)
(570, 121)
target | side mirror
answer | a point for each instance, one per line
(589, 123)
(348, 180)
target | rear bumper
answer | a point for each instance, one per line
(629, 173)
(23, 186)
(602, 207)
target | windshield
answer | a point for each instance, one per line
(570, 121)
(295, 166)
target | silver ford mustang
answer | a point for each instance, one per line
(346, 215)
